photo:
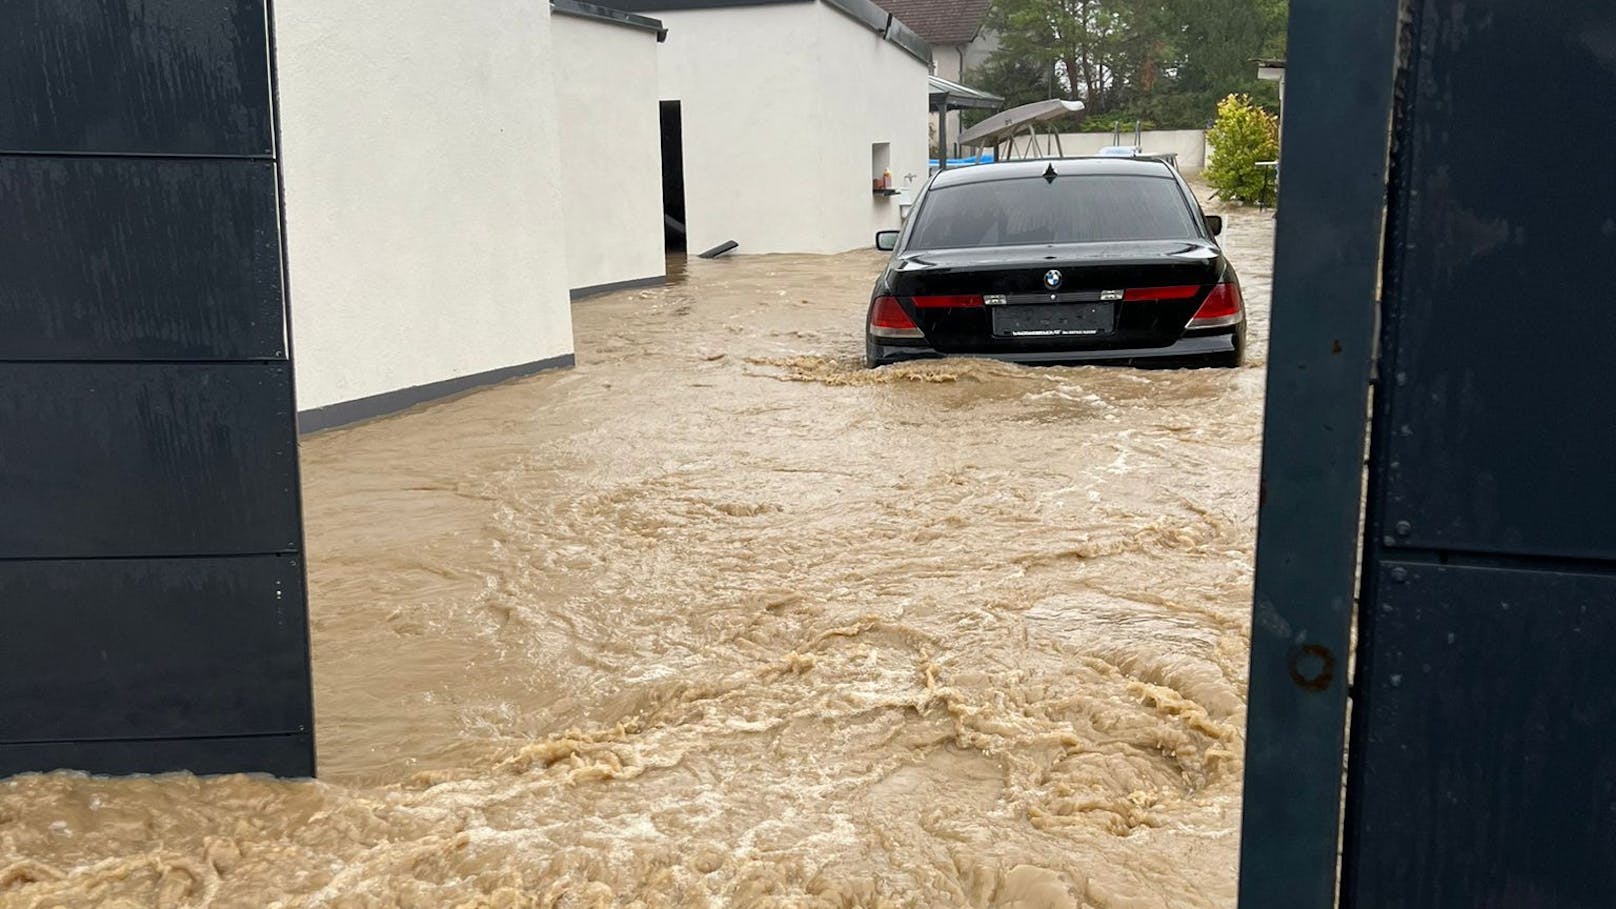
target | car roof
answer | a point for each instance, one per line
(1035, 167)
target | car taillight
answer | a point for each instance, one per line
(889, 320)
(951, 301)
(1161, 293)
(1221, 307)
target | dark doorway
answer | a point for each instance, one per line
(673, 177)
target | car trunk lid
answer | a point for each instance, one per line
(1128, 294)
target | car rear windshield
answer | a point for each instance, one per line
(1068, 209)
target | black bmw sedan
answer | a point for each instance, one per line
(1075, 260)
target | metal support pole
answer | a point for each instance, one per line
(1320, 349)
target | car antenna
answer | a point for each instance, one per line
(1049, 172)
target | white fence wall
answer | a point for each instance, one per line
(423, 212)
(1188, 144)
(611, 151)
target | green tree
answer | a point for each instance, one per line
(1018, 80)
(1220, 38)
(1085, 46)
(1162, 61)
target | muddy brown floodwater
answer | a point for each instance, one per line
(719, 618)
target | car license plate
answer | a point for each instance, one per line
(1054, 320)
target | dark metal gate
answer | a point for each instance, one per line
(1482, 750)
(152, 606)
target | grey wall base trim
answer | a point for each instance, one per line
(578, 293)
(388, 402)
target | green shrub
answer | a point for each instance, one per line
(1243, 135)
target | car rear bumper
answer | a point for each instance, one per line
(1189, 351)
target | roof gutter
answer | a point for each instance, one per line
(584, 10)
(906, 38)
(886, 25)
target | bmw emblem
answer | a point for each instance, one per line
(1052, 279)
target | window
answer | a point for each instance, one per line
(1068, 209)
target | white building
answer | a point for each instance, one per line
(426, 248)
(780, 115)
(454, 178)
(1274, 71)
(611, 146)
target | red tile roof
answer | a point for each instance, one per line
(940, 22)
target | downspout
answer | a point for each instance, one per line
(960, 49)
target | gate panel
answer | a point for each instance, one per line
(1481, 768)
(150, 571)
(1327, 252)
(1485, 775)
(1501, 323)
(117, 259)
(162, 77)
(211, 647)
(121, 459)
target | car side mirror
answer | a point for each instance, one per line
(886, 240)
(1214, 223)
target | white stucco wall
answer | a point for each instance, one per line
(977, 53)
(423, 212)
(960, 63)
(611, 150)
(781, 104)
(945, 62)
(877, 92)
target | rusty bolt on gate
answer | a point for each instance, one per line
(1312, 667)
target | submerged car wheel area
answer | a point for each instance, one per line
(1089, 260)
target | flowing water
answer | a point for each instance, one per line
(719, 618)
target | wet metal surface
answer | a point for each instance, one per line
(719, 618)
(127, 259)
(135, 77)
(151, 568)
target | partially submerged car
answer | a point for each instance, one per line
(1073, 260)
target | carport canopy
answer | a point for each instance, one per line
(947, 96)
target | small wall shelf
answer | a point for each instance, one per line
(880, 164)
